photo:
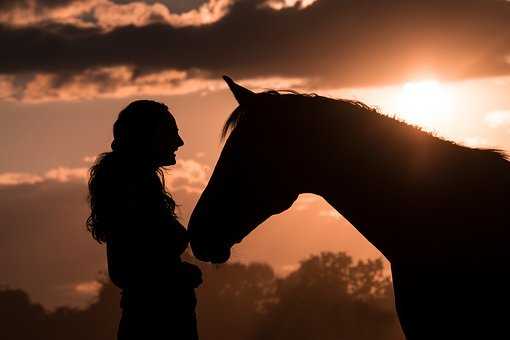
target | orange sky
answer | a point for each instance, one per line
(57, 113)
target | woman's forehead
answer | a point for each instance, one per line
(165, 115)
(171, 119)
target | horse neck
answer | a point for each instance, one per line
(366, 160)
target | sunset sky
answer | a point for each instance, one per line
(68, 66)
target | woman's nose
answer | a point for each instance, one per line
(180, 142)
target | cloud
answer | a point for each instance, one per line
(329, 43)
(7, 87)
(89, 159)
(107, 15)
(106, 82)
(59, 174)
(188, 175)
(281, 4)
(64, 174)
(90, 288)
(17, 178)
(119, 82)
(39, 4)
(498, 118)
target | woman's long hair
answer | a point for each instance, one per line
(132, 132)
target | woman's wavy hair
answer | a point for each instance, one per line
(132, 131)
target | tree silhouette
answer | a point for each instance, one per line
(330, 297)
(327, 297)
(231, 298)
(19, 317)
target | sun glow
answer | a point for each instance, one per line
(425, 103)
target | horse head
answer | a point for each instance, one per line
(250, 181)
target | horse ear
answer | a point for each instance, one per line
(242, 94)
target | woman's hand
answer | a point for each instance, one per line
(192, 273)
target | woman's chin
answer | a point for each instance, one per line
(168, 162)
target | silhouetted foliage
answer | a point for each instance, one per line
(231, 298)
(20, 318)
(330, 297)
(327, 297)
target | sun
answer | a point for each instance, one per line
(426, 103)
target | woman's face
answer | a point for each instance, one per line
(166, 142)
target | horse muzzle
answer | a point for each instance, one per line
(208, 252)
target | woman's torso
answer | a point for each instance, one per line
(146, 239)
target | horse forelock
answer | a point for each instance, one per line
(234, 118)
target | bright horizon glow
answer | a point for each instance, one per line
(426, 103)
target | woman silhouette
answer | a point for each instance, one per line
(133, 213)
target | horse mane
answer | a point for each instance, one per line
(352, 105)
(236, 115)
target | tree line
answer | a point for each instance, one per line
(329, 296)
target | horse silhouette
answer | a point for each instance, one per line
(437, 210)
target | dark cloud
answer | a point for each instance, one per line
(9, 4)
(176, 6)
(334, 42)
